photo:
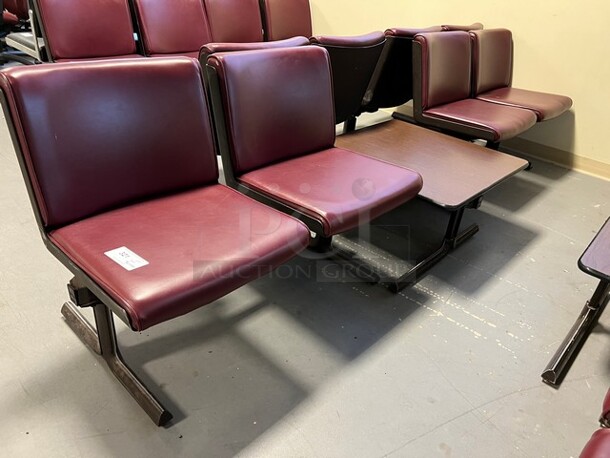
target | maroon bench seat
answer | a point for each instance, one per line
(337, 187)
(197, 251)
(76, 29)
(493, 73)
(275, 123)
(125, 191)
(442, 89)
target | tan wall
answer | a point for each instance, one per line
(561, 46)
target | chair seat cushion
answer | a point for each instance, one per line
(502, 121)
(546, 106)
(338, 187)
(200, 245)
(598, 446)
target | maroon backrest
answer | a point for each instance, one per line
(492, 59)
(286, 18)
(278, 104)
(19, 8)
(99, 135)
(234, 21)
(172, 27)
(445, 67)
(78, 29)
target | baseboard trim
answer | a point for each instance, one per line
(556, 156)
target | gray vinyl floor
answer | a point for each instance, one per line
(309, 362)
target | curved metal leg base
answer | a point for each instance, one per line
(104, 343)
(560, 363)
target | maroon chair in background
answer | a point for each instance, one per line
(92, 29)
(599, 444)
(353, 60)
(15, 29)
(391, 83)
(148, 249)
(456, 174)
(285, 18)
(179, 27)
(275, 124)
(492, 58)
(234, 21)
(442, 92)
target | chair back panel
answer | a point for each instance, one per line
(172, 27)
(278, 104)
(234, 21)
(100, 135)
(77, 29)
(445, 67)
(492, 58)
(353, 61)
(19, 8)
(286, 18)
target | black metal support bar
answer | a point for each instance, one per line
(349, 125)
(104, 343)
(81, 327)
(453, 238)
(560, 363)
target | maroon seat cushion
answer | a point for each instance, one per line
(175, 27)
(77, 29)
(110, 132)
(598, 446)
(286, 18)
(339, 188)
(502, 122)
(200, 245)
(237, 21)
(545, 106)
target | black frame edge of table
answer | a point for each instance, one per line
(560, 363)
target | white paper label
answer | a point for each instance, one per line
(126, 258)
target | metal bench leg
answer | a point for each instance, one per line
(104, 343)
(560, 363)
(452, 239)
